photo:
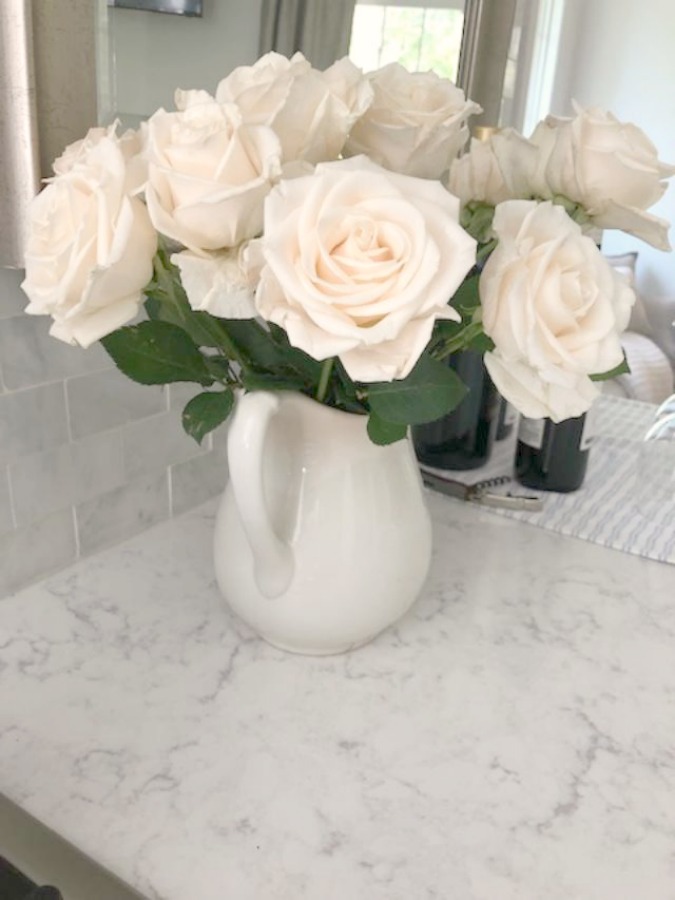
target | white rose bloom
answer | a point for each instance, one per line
(359, 263)
(216, 283)
(563, 395)
(609, 167)
(416, 123)
(554, 308)
(90, 242)
(498, 169)
(310, 111)
(207, 173)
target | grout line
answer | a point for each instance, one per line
(169, 482)
(67, 405)
(78, 551)
(10, 492)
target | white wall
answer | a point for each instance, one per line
(620, 55)
(155, 53)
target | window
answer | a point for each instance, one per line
(420, 34)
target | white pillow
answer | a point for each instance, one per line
(624, 264)
(651, 377)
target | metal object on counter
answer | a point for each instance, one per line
(480, 492)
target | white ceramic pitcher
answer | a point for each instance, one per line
(322, 539)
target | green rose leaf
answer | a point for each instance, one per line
(207, 411)
(481, 343)
(430, 391)
(266, 381)
(467, 298)
(156, 353)
(382, 432)
(622, 369)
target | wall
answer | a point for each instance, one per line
(153, 54)
(618, 54)
(87, 457)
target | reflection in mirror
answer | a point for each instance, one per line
(556, 52)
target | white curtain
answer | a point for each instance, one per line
(321, 29)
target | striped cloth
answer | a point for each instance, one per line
(627, 501)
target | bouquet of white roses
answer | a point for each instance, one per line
(324, 232)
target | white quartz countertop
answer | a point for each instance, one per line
(513, 738)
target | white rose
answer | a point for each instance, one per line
(207, 173)
(310, 111)
(554, 308)
(564, 395)
(90, 243)
(609, 167)
(416, 123)
(130, 143)
(216, 283)
(359, 263)
(498, 169)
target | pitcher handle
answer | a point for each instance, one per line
(273, 559)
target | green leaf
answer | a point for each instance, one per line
(207, 411)
(172, 306)
(481, 343)
(267, 381)
(382, 432)
(466, 298)
(156, 353)
(477, 219)
(430, 391)
(622, 369)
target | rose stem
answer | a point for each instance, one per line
(326, 370)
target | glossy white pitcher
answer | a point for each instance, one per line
(322, 539)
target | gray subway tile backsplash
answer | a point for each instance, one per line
(156, 443)
(123, 512)
(32, 421)
(198, 480)
(107, 399)
(12, 299)
(87, 457)
(6, 517)
(37, 550)
(66, 476)
(30, 356)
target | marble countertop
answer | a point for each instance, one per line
(513, 738)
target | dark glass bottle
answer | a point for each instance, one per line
(506, 419)
(463, 439)
(553, 456)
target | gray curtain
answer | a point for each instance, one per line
(320, 29)
(488, 26)
(47, 100)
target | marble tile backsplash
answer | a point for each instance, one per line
(87, 457)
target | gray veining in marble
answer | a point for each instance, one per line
(510, 739)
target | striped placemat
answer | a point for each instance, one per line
(627, 500)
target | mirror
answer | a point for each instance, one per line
(554, 52)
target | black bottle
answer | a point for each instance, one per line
(506, 419)
(553, 457)
(463, 439)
